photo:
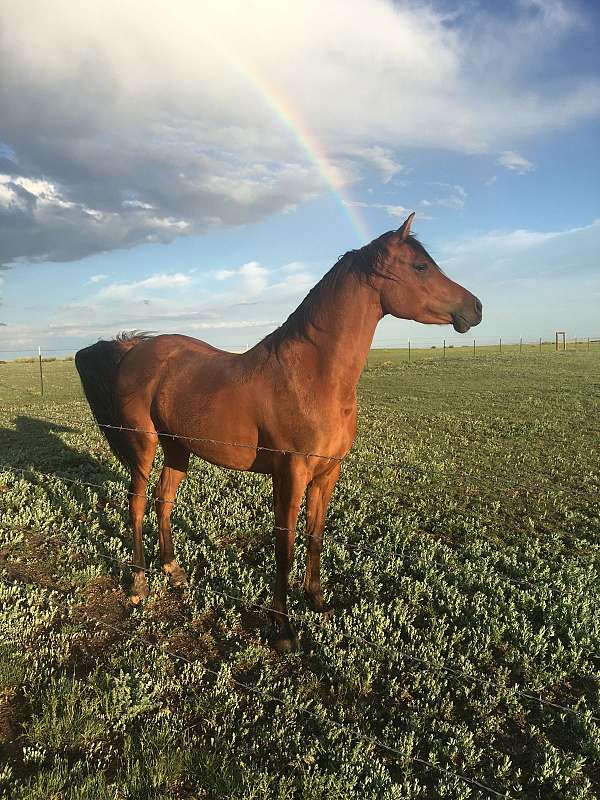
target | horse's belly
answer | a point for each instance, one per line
(216, 425)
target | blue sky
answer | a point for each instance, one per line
(154, 170)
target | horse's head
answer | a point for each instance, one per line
(412, 286)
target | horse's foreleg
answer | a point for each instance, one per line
(288, 490)
(317, 500)
(174, 471)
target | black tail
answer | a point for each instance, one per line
(97, 367)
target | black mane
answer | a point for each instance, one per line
(364, 263)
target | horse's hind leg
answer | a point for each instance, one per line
(175, 468)
(141, 447)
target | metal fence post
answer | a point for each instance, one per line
(521, 345)
(500, 344)
(444, 349)
(41, 371)
(540, 345)
(409, 349)
(473, 346)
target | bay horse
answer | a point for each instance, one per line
(288, 400)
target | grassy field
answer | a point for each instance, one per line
(462, 554)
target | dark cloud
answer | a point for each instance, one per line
(143, 123)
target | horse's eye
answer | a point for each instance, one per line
(420, 267)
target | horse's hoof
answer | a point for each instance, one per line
(285, 645)
(138, 590)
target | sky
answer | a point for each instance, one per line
(195, 167)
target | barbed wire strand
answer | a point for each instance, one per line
(383, 462)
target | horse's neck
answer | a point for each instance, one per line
(340, 333)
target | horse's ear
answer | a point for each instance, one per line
(404, 229)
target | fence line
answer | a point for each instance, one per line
(383, 462)
(452, 671)
(90, 424)
(220, 442)
(460, 340)
(443, 344)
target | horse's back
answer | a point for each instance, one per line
(167, 365)
(167, 345)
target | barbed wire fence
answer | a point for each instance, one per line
(451, 670)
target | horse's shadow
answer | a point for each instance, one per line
(35, 444)
(34, 451)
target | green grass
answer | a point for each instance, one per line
(465, 531)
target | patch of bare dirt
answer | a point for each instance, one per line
(166, 606)
(37, 575)
(34, 561)
(10, 716)
(13, 712)
(102, 613)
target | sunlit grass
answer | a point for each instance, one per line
(465, 531)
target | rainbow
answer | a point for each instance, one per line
(305, 138)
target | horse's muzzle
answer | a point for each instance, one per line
(468, 316)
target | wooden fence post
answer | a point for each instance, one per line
(409, 349)
(41, 371)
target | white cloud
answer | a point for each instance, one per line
(399, 212)
(17, 190)
(231, 324)
(137, 123)
(98, 278)
(254, 278)
(159, 281)
(515, 162)
(250, 277)
(396, 211)
(380, 159)
(223, 274)
(455, 197)
(136, 204)
(572, 250)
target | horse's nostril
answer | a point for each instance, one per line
(478, 306)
